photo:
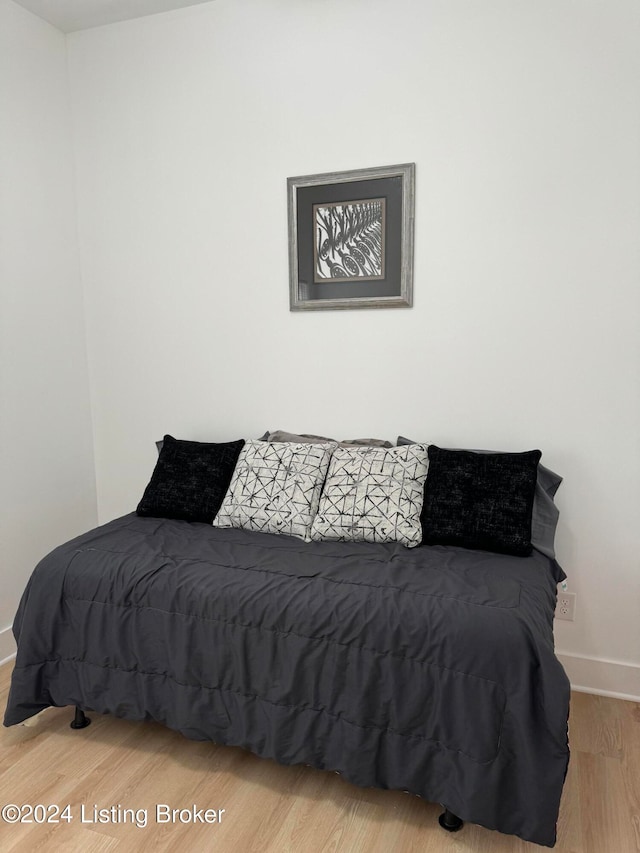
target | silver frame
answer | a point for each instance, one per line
(406, 171)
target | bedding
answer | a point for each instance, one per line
(429, 669)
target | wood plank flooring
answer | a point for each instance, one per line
(273, 809)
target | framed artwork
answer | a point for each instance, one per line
(351, 238)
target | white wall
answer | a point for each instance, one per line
(522, 120)
(47, 479)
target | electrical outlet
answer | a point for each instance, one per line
(566, 606)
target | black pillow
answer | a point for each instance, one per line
(190, 479)
(480, 500)
(544, 518)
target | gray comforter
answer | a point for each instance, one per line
(429, 669)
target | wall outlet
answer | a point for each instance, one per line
(566, 606)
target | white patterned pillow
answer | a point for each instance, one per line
(373, 494)
(275, 488)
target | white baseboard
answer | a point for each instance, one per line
(616, 679)
(7, 645)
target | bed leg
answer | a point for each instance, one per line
(449, 821)
(80, 721)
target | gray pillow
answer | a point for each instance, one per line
(365, 442)
(545, 513)
(305, 438)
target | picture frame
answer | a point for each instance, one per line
(351, 238)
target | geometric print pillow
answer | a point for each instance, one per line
(275, 488)
(373, 494)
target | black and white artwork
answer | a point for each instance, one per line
(349, 240)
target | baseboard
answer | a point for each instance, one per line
(603, 677)
(7, 645)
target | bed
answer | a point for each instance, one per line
(427, 669)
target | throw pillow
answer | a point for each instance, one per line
(480, 500)
(544, 519)
(276, 488)
(190, 479)
(373, 494)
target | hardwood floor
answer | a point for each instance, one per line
(273, 809)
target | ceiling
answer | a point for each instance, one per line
(72, 15)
